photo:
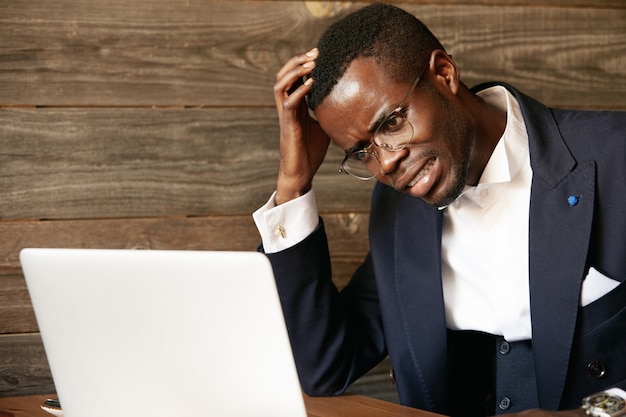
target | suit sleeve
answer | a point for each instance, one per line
(335, 337)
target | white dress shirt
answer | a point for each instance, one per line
(485, 237)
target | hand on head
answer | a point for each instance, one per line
(303, 144)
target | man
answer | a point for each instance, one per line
(497, 232)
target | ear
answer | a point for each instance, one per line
(445, 70)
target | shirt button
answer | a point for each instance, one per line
(505, 348)
(596, 369)
(505, 403)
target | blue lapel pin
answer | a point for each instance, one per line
(572, 200)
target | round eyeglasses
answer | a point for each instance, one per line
(393, 134)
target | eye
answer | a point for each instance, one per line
(394, 122)
(362, 155)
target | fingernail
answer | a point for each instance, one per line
(308, 81)
(312, 53)
(309, 64)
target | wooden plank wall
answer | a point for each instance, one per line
(150, 123)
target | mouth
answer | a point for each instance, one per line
(419, 178)
(422, 172)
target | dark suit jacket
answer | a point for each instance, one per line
(394, 304)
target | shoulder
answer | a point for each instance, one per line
(587, 133)
(593, 134)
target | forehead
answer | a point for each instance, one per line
(359, 99)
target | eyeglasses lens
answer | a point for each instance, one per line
(392, 135)
(360, 164)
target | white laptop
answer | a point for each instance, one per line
(142, 333)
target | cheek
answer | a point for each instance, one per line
(459, 135)
(438, 120)
(449, 129)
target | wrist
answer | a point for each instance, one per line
(608, 403)
(285, 194)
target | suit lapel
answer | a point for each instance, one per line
(559, 238)
(561, 213)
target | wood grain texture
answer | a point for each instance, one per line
(596, 4)
(557, 55)
(149, 52)
(354, 405)
(214, 53)
(347, 235)
(24, 368)
(359, 406)
(16, 311)
(111, 162)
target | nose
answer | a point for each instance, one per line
(390, 160)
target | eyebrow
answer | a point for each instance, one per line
(358, 147)
(380, 120)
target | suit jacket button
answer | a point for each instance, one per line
(596, 369)
(505, 348)
(505, 403)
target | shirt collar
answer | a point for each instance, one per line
(511, 151)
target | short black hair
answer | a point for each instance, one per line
(398, 41)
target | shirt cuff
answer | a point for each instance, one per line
(286, 225)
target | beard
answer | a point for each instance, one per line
(458, 136)
(458, 175)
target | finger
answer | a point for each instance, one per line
(290, 90)
(287, 83)
(299, 81)
(291, 74)
(295, 99)
(296, 61)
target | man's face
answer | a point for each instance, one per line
(434, 166)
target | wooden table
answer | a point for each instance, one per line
(344, 406)
(358, 406)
